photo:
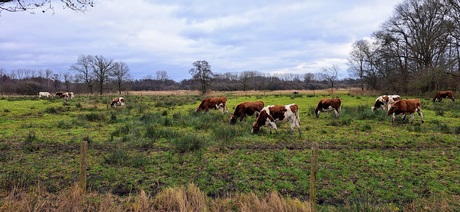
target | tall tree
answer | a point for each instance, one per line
(84, 71)
(120, 75)
(102, 69)
(202, 72)
(31, 5)
(416, 38)
(358, 60)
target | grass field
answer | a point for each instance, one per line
(158, 141)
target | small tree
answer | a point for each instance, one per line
(202, 72)
(120, 75)
(330, 75)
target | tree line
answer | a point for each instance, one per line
(415, 51)
(95, 74)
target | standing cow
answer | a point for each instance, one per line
(326, 105)
(385, 101)
(443, 94)
(273, 114)
(118, 101)
(406, 106)
(246, 108)
(213, 103)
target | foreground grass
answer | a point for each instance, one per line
(191, 198)
(158, 142)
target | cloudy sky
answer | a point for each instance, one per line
(279, 36)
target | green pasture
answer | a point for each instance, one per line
(159, 141)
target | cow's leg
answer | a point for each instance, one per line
(336, 112)
(243, 117)
(411, 118)
(393, 118)
(317, 113)
(403, 117)
(297, 123)
(273, 126)
(420, 114)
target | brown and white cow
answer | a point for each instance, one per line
(246, 108)
(443, 94)
(118, 101)
(271, 115)
(326, 105)
(385, 101)
(213, 103)
(406, 106)
(63, 95)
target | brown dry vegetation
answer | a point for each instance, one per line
(189, 198)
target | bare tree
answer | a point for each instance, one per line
(308, 79)
(102, 68)
(120, 75)
(84, 71)
(161, 75)
(67, 78)
(31, 5)
(358, 60)
(202, 72)
(330, 74)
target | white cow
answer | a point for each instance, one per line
(44, 94)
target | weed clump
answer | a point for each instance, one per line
(187, 143)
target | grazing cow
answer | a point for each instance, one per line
(326, 105)
(213, 103)
(273, 114)
(406, 106)
(70, 95)
(63, 95)
(385, 101)
(118, 101)
(44, 94)
(443, 94)
(246, 108)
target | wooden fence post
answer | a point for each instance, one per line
(313, 173)
(83, 161)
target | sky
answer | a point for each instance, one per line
(270, 37)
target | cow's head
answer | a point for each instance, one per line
(260, 121)
(378, 104)
(393, 108)
(233, 119)
(255, 128)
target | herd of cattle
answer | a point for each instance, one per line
(274, 114)
(118, 101)
(65, 95)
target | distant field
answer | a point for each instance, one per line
(158, 141)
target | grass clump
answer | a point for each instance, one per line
(188, 143)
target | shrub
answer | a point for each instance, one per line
(225, 134)
(187, 143)
(95, 117)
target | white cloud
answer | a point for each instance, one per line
(233, 36)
